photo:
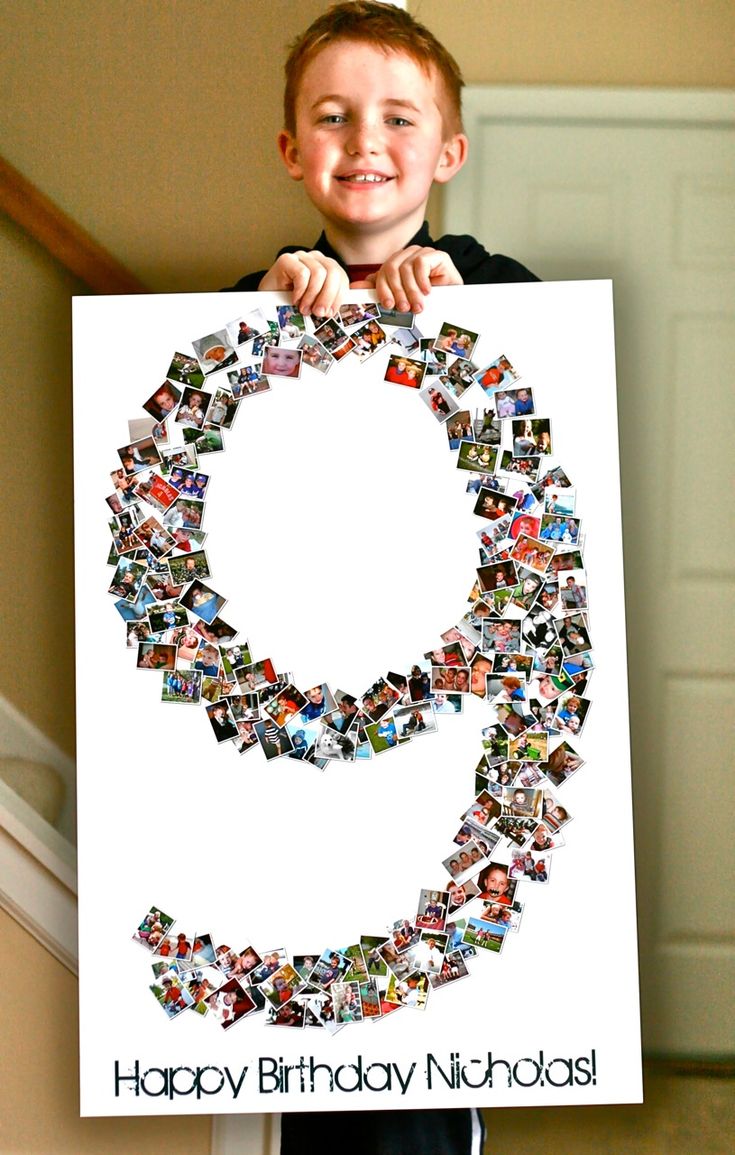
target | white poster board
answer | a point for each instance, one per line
(340, 531)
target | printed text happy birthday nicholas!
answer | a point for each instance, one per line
(307, 1076)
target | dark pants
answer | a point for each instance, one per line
(427, 1132)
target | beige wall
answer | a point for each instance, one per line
(39, 1083)
(152, 124)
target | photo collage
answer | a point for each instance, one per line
(522, 646)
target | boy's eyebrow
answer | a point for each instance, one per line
(338, 98)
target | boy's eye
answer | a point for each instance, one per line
(399, 121)
(333, 118)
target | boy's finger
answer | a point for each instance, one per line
(413, 295)
(331, 292)
(311, 279)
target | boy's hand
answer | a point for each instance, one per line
(318, 283)
(409, 275)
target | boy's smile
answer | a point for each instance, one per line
(369, 142)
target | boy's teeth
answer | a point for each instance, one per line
(367, 178)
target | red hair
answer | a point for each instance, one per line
(386, 27)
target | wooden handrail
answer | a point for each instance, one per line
(61, 236)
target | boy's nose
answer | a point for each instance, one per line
(364, 138)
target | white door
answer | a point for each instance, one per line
(640, 186)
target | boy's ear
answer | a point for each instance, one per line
(290, 154)
(453, 156)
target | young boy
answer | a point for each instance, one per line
(372, 118)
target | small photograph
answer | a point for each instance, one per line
(493, 505)
(495, 885)
(412, 991)
(246, 738)
(479, 672)
(331, 744)
(193, 408)
(183, 686)
(378, 699)
(555, 816)
(439, 400)
(498, 373)
(188, 567)
(532, 553)
(562, 764)
(404, 934)
(356, 313)
(127, 579)
(559, 502)
(527, 467)
(223, 410)
(533, 746)
(333, 966)
(554, 478)
(571, 714)
(303, 736)
(434, 359)
(573, 590)
(284, 705)
(153, 537)
(139, 455)
(531, 436)
(291, 323)
(315, 355)
(546, 688)
(477, 457)
(521, 802)
(370, 998)
(234, 657)
(460, 894)
(282, 361)
(456, 340)
(200, 983)
(246, 328)
(488, 428)
(175, 946)
(397, 963)
(410, 721)
(500, 575)
(221, 721)
(397, 318)
(368, 340)
(408, 337)
(256, 676)
(153, 928)
(347, 1003)
(185, 513)
(460, 429)
(404, 371)
(453, 967)
(282, 985)
(206, 603)
(274, 742)
(157, 492)
(432, 909)
(172, 994)
(514, 402)
(462, 861)
(459, 376)
(229, 1004)
(382, 735)
(536, 864)
(162, 403)
(565, 560)
(516, 830)
(545, 839)
(334, 339)
(215, 352)
(346, 715)
(153, 656)
(247, 380)
(208, 439)
(185, 370)
(428, 953)
(574, 635)
(484, 935)
(495, 745)
(183, 456)
(564, 530)
(374, 964)
(272, 961)
(319, 701)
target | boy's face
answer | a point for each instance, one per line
(369, 142)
